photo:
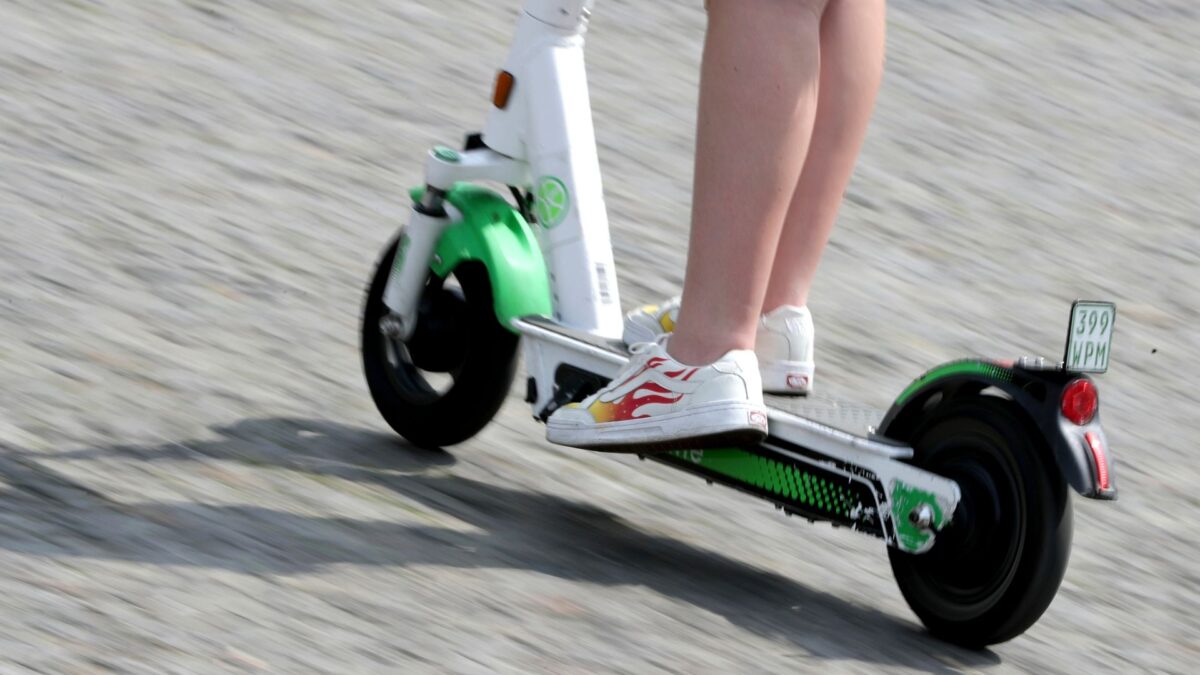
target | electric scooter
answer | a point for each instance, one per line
(966, 478)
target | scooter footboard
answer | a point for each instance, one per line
(806, 467)
(800, 485)
(882, 496)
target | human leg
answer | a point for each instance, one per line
(757, 105)
(758, 102)
(852, 53)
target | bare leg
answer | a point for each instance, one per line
(758, 102)
(852, 50)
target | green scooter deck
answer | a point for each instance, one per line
(788, 468)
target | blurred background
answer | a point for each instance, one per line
(193, 478)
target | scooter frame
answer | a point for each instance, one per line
(539, 140)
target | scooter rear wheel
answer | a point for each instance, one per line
(447, 381)
(995, 569)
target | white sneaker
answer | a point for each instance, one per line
(648, 322)
(784, 344)
(656, 403)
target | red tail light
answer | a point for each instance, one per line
(1079, 401)
(1093, 441)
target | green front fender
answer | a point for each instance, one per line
(494, 233)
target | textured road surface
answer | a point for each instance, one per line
(193, 478)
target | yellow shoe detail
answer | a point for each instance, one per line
(603, 412)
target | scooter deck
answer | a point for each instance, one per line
(820, 459)
(839, 414)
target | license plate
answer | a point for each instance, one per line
(1089, 338)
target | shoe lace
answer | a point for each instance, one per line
(640, 347)
(630, 367)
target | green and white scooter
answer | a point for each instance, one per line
(966, 477)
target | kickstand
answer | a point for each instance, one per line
(571, 385)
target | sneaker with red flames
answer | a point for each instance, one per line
(656, 404)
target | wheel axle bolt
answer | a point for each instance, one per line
(922, 516)
(390, 327)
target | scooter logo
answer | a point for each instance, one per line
(553, 201)
(797, 381)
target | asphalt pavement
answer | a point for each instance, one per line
(192, 475)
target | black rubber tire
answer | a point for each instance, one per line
(485, 358)
(993, 572)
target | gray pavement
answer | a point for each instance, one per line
(193, 478)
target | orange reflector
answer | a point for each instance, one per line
(504, 85)
(1093, 441)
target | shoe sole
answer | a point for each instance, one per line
(708, 426)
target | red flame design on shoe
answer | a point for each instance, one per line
(653, 362)
(685, 371)
(626, 408)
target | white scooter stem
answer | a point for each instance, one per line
(548, 124)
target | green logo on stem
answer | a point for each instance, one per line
(552, 201)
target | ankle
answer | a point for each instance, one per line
(692, 351)
(771, 309)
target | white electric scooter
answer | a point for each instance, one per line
(965, 477)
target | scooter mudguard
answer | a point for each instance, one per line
(495, 234)
(1080, 451)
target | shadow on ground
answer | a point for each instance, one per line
(515, 529)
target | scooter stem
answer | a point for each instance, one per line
(548, 124)
(565, 14)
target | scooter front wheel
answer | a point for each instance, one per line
(447, 381)
(995, 569)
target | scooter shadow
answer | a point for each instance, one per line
(512, 529)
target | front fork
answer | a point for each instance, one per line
(416, 243)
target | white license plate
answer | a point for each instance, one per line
(1089, 340)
